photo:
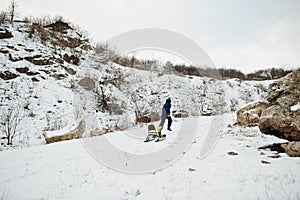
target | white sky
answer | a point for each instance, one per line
(242, 34)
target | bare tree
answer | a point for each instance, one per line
(3, 17)
(12, 10)
(10, 120)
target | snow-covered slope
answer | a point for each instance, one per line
(46, 93)
(41, 90)
(71, 170)
(204, 157)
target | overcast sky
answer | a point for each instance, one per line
(243, 34)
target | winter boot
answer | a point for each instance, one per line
(158, 128)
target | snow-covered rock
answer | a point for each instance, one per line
(66, 133)
(278, 119)
(295, 107)
(250, 114)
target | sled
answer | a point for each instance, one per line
(152, 133)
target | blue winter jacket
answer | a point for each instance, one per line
(166, 108)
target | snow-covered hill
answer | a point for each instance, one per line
(51, 79)
(36, 75)
(43, 84)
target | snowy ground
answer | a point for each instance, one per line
(70, 170)
(120, 165)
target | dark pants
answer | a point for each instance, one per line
(169, 122)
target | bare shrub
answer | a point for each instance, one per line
(73, 83)
(37, 29)
(115, 77)
(103, 97)
(53, 123)
(105, 53)
(10, 120)
(112, 78)
(124, 61)
(44, 20)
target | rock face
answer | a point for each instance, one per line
(292, 149)
(7, 75)
(59, 26)
(251, 113)
(278, 119)
(279, 114)
(22, 69)
(38, 60)
(5, 34)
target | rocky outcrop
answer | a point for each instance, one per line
(59, 26)
(279, 114)
(278, 118)
(22, 69)
(274, 121)
(7, 75)
(38, 60)
(70, 70)
(71, 59)
(292, 149)
(5, 34)
(250, 114)
(97, 132)
(51, 137)
(59, 76)
(67, 136)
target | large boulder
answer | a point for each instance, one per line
(251, 113)
(275, 121)
(66, 133)
(60, 137)
(279, 119)
(292, 149)
(87, 83)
